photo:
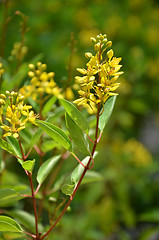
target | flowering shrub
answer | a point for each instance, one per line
(19, 125)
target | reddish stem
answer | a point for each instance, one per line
(80, 180)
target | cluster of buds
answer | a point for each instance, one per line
(1, 69)
(14, 114)
(18, 51)
(41, 82)
(99, 80)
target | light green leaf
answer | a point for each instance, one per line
(7, 193)
(150, 216)
(56, 133)
(48, 145)
(28, 165)
(77, 135)
(150, 233)
(76, 115)
(46, 168)
(6, 146)
(77, 173)
(8, 224)
(25, 219)
(67, 189)
(108, 108)
(48, 105)
(92, 176)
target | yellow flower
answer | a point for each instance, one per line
(100, 76)
(17, 114)
(41, 82)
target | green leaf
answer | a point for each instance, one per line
(92, 176)
(25, 219)
(77, 173)
(7, 193)
(56, 133)
(76, 115)
(46, 168)
(26, 135)
(7, 224)
(35, 137)
(28, 165)
(48, 105)
(50, 145)
(15, 144)
(6, 146)
(150, 233)
(77, 135)
(67, 189)
(108, 108)
(150, 216)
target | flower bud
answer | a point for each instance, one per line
(93, 40)
(109, 44)
(110, 53)
(105, 40)
(51, 74)
(97, 46)
(38, 64)
(2, 102)
(7, 93)
(31, 66)
(88, 55)
(2, 96)
(31, 74)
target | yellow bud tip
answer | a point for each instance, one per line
(88, 55)
(31, 74)
(31, 66)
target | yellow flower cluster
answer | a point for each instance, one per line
(139, 155)
(41, 82)
(14, 114)
(99, 80)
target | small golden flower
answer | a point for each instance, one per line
(16, 114)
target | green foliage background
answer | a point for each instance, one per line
(126, 204)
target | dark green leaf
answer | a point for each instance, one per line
(8, 224)
(25, 219)
(77, 135)
(15, 144)
(7, 193)
(108, 108)
(6, 146)
(46, 168)
(56, 133)
(76, 115)
(150, 216)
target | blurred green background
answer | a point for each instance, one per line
(126, 204)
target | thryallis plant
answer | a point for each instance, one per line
(18, 119)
